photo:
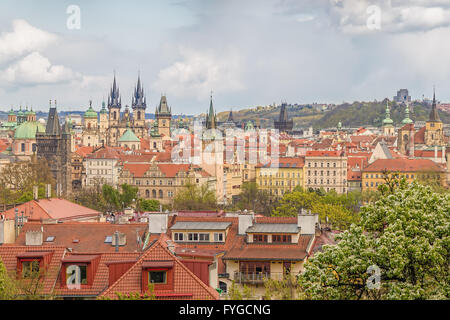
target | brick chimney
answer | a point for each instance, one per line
(158, 222)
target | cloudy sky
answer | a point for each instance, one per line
(248, 52)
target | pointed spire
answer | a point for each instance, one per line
(434, 115)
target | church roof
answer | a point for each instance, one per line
(28, 130)
(434, 115)
(129, 136)
(90, 113)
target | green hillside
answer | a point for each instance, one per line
(353, 115)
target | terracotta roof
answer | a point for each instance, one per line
(419, 137)
(270, 252)
(101, 276)
(138, 170)
(171, 169)
(8, 254)
(54, 208)
(427, 153)
(83, 150)
(321, 153)
(91, 236)
(186, 284)
(403, 165)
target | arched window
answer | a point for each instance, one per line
(139, 115)
(153, 193)
(22, 147)
(115, 115)
(147, 193)
(160, 194)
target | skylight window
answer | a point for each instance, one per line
(50, 239)
(108, 239)
(75, 240)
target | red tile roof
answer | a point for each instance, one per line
(186, 284)
(403, 165)
(321, 153)
(9, 253)
(91, 235)
(83, 150)
(54, 208)
(419, 137)
(255, 251)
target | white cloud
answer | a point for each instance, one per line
(351, 16)
(23, 39)
(199, 72)
(36, 69)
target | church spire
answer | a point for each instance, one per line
(407, 120)
(387, 120)
(434, 115)
(211, 117)
(114, 99)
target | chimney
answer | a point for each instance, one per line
(35, 192)
(34, 238)
(119, 240)
(158, 222)
(306, 221)
(435, 154)
(443, 154)
(49, 191)
(245, 222)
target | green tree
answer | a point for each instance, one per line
(149, 205)
(251, 198)
(339, 210)
(406, 234)
(194, 197)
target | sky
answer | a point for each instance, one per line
(246, 53)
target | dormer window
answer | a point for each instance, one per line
(159, 274)
(30, 267)
(32, 263)
(78, 270)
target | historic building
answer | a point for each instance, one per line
(54, 145)
(118, 123)
(24, 142)
(388, 124)
(91, 132)
(327, 170)
(405, 135)
(283, 124)
(281, 178)
(163, 114)
(434, 133)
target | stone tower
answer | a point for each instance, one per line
(139, 104)
(163, 115)
(434, 133)
(55, 146)
(283, 124)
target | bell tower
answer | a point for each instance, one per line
(139, 104)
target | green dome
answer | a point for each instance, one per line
(20, 113)
(90, 113)
(103, 111)
(28, 130)
(11, 113)
(31, 112)
(129, 136)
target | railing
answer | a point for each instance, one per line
(260, 277)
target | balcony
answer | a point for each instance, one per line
(260, 277)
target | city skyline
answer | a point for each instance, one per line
(314, 51)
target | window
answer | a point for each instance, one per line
(76, 274)
(178, 236)
(218, 237)
(30, 267)
(193, 236)
(157, 277)
(204, 237)
(259, 238)
(108, 239)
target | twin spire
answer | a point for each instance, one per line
(139, 101)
